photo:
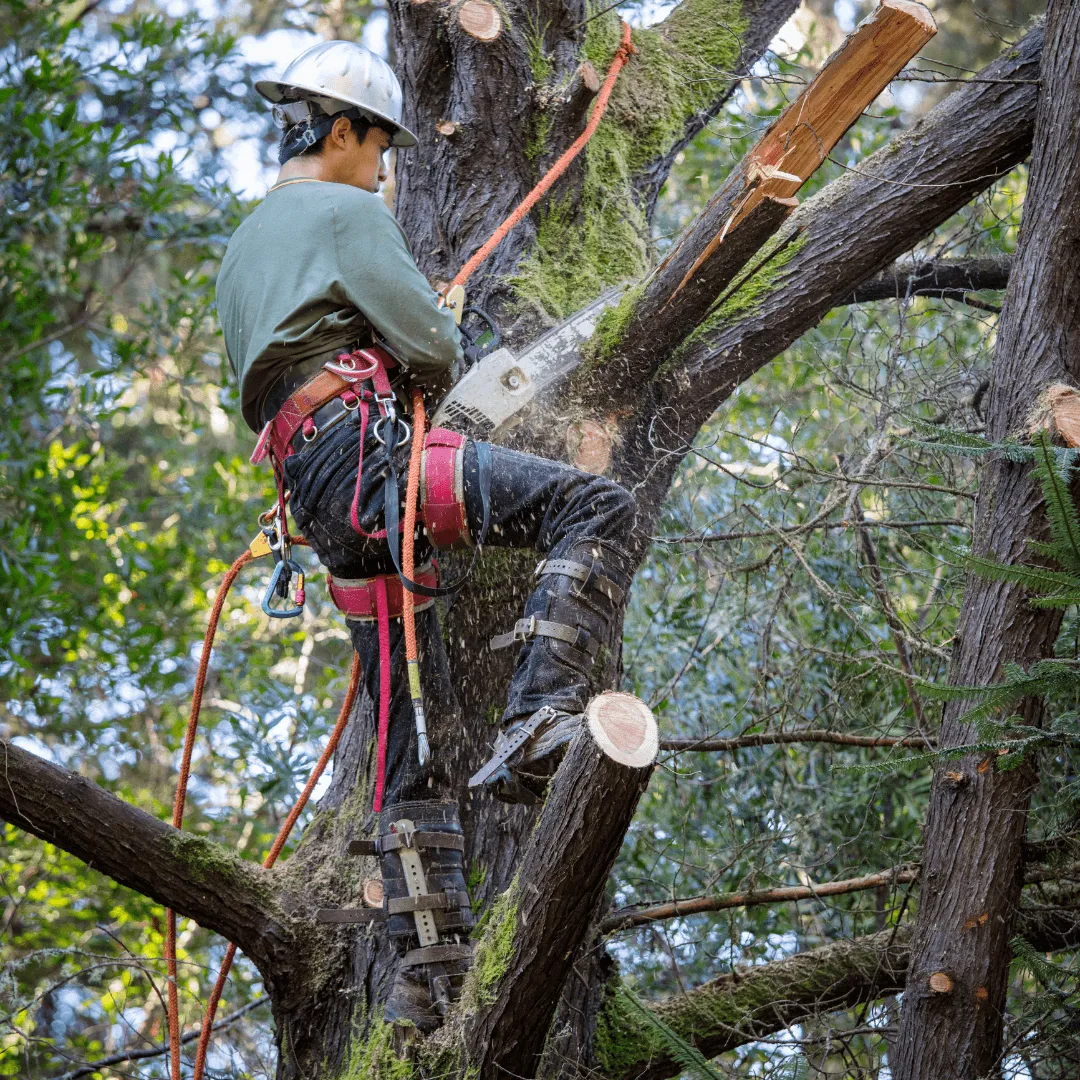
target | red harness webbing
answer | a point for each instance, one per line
(358, 379)
(384, 689)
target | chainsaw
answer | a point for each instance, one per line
(489, 398)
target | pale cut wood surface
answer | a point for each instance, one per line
(624, 728)
(480, 19)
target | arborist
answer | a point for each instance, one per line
(330, 327)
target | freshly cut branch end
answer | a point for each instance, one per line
(624, 728)
(480, 20)
(1058, 409)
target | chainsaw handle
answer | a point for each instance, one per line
(474, 352)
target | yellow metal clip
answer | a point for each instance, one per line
(259, 547)
(454, 299)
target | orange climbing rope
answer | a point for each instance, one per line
(622, 54)
(271, 858)
(181, 797)
(408, 567)
(178, 819)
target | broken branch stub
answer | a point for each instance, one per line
(559, 886)
(804, 134)
(807, 130)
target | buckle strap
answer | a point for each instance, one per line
(591, 577)
(356, 598)
(448, 900)
(532, 627)
(350, 915)
(419, 840)
(436, 954)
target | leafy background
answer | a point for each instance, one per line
(131, 147)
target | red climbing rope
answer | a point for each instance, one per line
(408, 567)
(622, 54)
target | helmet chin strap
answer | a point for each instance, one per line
(303, 135)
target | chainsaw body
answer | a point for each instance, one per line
(490, 397)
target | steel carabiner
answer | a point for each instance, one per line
(284, 569)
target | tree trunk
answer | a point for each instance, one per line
(951, 1022)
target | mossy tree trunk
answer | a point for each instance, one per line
(491, 116)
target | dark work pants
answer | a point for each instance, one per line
(535, 503)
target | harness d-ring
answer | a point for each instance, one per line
(400, 421)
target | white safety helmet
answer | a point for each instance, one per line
(335, 76)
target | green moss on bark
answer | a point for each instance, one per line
(611, 328)
(751, 290)
(373, 1057)
(206, 860)
(600, 237)
(622, 1038)
(494, 950)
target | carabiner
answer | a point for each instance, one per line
(279, 585)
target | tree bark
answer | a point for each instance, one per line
(539, 923)
(974, 830)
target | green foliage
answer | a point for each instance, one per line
(1053, 678)
(1050, 1011)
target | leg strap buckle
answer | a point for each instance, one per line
(590, 577)
(532, 627)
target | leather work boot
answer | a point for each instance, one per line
(579, 596)
(421, 849)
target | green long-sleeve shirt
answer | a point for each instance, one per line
(308, 272)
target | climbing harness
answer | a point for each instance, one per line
(436, 470)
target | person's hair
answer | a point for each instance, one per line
(291, 135)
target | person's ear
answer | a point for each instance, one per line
(340, 132)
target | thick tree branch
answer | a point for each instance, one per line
(753, 1003)
(833, 243)
(192, 875)
(538, 925)
(752, 203)
(951, 278)
(763, 19)
(735, 1009)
